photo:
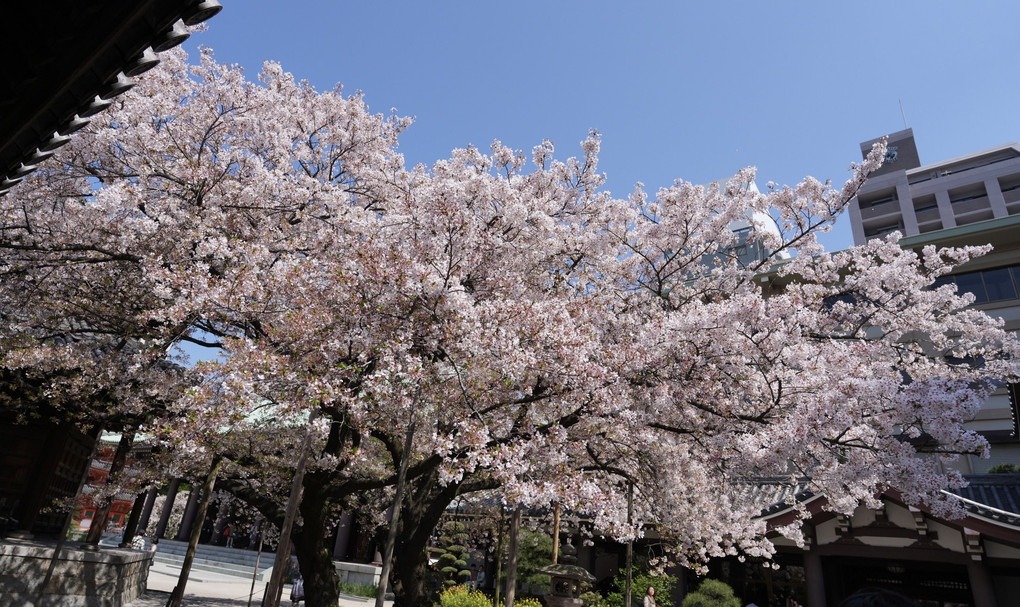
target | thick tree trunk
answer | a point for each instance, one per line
(423, 507)
(410, 557)
(409, 578)
(315, 551)
(275, 586)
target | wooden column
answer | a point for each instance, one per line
(188, 521)
(981, 584)
(168, 505)
(132, 523)
(143, 520)
(343, 536)
(814, 579)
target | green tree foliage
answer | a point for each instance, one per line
(534, 552)
(453, 554)
(1004, 469)
(641, 579)
(712, 593)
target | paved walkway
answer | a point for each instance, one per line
(212, 590)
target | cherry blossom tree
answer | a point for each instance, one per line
(543, 338)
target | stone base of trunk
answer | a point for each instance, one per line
(357, 573)
(110, 577)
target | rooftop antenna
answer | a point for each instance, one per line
(902, 113)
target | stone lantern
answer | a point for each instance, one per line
(565, 583)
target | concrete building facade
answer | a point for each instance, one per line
(967, 200)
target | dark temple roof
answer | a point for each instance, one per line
(775, 494)
(63, 60)
(994, 496)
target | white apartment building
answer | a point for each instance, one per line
(972, 199)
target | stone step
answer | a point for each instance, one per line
(179, 558)
(234, 562)
(228, 569)
(213, 563)
(217, 553)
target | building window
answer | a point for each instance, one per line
(998, 284)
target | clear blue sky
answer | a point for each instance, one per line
(692, 90)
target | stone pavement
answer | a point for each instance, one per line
(211, 590)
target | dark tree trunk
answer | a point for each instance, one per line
(424, 505)
(315, 551)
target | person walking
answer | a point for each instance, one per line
(297, 591)
(650, 597)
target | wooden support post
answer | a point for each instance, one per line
(630, 544)
(275, 587)
(391, 536)
(511, 565)
(196, 531)
(556, 533)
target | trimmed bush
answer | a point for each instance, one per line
(712, 593)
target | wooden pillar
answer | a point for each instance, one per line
(814, 579)
(981, 584)
(132, 523)
(38, 495)
(189, 516)
(168, 505)
(556, 534)
(143, 520)
(343, 537)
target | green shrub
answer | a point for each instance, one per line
(453, 553)
(712, 593)
(365, 590)
(460, 596)
(593, 599)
